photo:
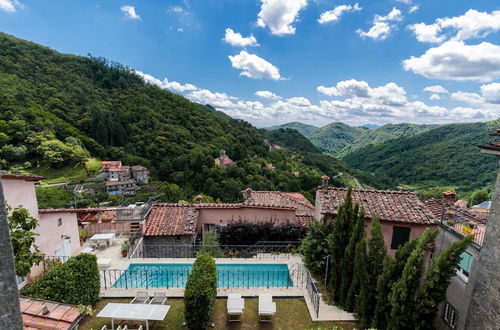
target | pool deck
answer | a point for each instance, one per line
(326, 312)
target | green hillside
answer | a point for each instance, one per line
(335, 137)
(385, 133)
(289, 138)
(446, 156)
(56, 110)
(304, 129)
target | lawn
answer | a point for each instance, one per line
(291, 314)
(67, 173)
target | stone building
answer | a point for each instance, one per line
(223, 160)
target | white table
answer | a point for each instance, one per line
(135, 312)
(108, 238)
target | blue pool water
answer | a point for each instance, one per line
(175, 275)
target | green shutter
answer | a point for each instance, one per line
(465, 261)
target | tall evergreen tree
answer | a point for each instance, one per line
(359, 277)
(433, 290)
(349, 255)
(338, 241)
(375, 263)
(391, 273)
(402, 298)
(314, 247)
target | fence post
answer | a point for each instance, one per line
(105, 285)
(126, 284)
(147, 280)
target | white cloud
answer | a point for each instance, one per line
(454, 60)
(267, 95)
(413, 9)
(336, 13)
(437, 89)
(253, 66)
(328, 91)
(407, 2)
(236, 39)
(382, 25)
(435, 97)
(278, 15)
(491, 93)
(176, 9)
(165, 84)
(472, 24)
(10, 6)
(129, 12)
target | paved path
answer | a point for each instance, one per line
(357, 183)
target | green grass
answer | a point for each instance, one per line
(67, 173)
(291, 314)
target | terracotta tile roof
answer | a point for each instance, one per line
(44, 314)
(171, 219)
(139, 168)
(303, 208)
(20, 176)
(394, 206)
(239, 206)
(44, 211)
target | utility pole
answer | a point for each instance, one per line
(326, 268)
(10, 312)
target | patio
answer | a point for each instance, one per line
(290, 314)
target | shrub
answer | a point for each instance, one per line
(83, 233)
(246, 233)
(74, 282)
(201, 292)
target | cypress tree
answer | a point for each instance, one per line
(391, 273)
(377, 253)
(349, 255)
(338, 240)
(359, 277)
(433, 290)
(402, 298)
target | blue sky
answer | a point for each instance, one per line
(315, 61)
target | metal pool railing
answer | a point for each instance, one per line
(313, 291)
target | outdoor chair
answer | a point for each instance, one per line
(235, 306)
(102, 245)
(159, 298)
(267, 308)
(142, 297)
(104, 327)
(122, 328)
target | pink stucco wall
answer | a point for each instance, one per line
(20, 192)
(50, 234)
(250, 214)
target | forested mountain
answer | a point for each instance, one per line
(289, 138)
(335, 137)
(444, 156)
(385, 133)
(304, 129)
(56, 109)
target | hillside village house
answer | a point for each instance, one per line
(403, 217)
(121, 179)
(57, 229)
(168, 224)
(223, 160)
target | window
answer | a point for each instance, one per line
(450, 315)
(464, 266)
(59, 222)
(400, 235)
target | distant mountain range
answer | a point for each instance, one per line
(304, 129)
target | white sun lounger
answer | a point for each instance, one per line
(235, 306)
(141, 297)
(267, 308)
(159, 298)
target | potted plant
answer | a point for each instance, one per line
(125, 246)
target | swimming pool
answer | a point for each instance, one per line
(228, 275)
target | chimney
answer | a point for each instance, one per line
(247, 195)
(198, 199)
(222, 157)
(325, 179)
(450, 197)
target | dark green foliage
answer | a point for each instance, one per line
(339, 239)
(314, 247)
(249, 233)
(377, 253)
(53, 197)
(359, 280)
(393, 268)
(433, 290)
(289, 138)
(349, 256)
(200, 293)
(479, 196)
(74, 282)
(334, 137)
(402, 297)
(303, 129)
(210, 245)
(445, 156)
(22, 236)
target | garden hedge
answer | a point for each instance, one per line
(74, 282)
(201, 292)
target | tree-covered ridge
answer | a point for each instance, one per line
(304, 129)
(446, 155)
(335, 137)
(110, 112)
(289, 138)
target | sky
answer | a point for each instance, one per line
(275, 61)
